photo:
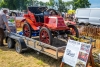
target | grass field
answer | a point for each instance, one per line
(30, 58)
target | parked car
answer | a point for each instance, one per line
(88, 16)
(16, 13)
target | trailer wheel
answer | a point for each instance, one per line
(73, 31)
(18, 47)
(10, 43)
(27, 30)
(45, 35)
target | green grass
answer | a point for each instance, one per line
(10, 58)
(30, 58)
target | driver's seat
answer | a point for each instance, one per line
(39, 18)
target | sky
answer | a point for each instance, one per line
(94, 3)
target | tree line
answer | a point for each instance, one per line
(63, 6)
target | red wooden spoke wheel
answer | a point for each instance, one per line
(27, 30)
(45, 35)
(73, 31)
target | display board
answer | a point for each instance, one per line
(76, 53)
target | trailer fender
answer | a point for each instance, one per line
(22, 43)
(20, 46)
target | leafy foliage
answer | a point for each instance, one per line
(62, 6)
(81, 4)
(14, 4)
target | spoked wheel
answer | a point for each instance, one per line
(73, 31)
(27, 30)
(45, 36)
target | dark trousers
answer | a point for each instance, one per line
(1, 36)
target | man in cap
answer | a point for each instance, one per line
(3, 23)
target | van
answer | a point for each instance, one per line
(88, 16)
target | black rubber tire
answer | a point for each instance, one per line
(83, 24)
(18, 47)
(26, 24)
(75, 29)
(10, 43)
(49, 33)
(13, 13)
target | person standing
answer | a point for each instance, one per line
(3, 23)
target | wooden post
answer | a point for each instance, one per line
(90, 59)
(62, 64)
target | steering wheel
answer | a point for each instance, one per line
(52, 10)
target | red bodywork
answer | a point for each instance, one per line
(53, 23)
(48, 23)
(30, 18)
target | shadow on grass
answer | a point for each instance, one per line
(43, 58)
(39, 56)
(5, 48)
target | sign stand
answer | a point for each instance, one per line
(90, 60)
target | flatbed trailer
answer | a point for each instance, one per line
(22, 43)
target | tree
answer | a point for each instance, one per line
(81, 4)
(7, 4)
(51, 2)
(42, 3)
(61, 6)
(14, 4)
(2, 3)
(64, 6)
(23, 4)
